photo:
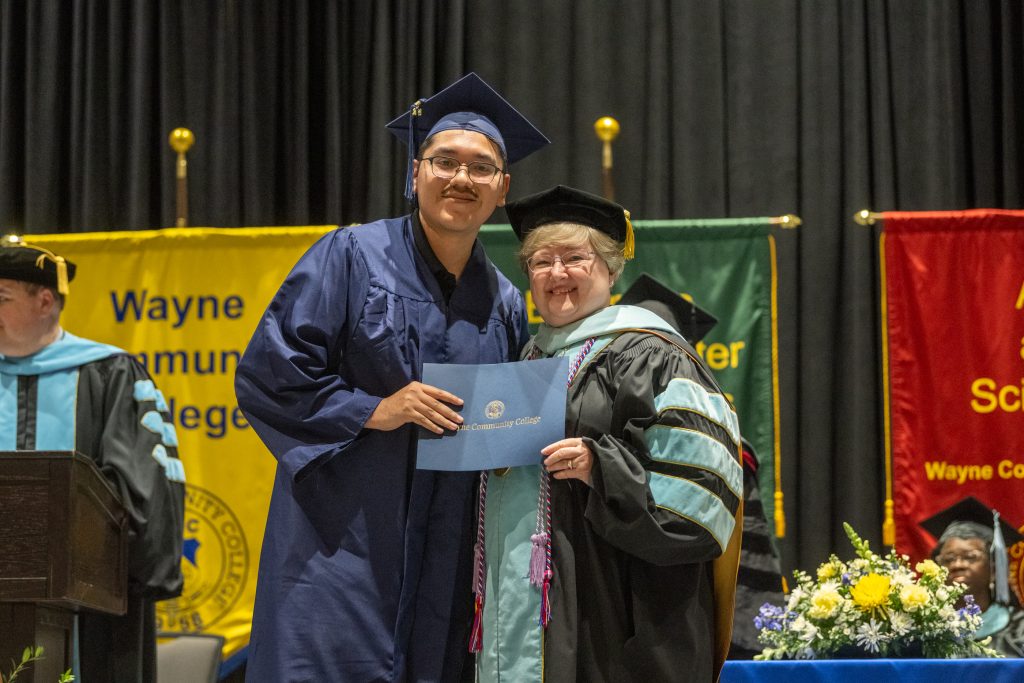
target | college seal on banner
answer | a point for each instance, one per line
(215, 564)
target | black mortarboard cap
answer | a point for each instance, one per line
(562, 204)
(467, 104)
(969, 510)
(692, 321)
(970, 518)
(29, 263)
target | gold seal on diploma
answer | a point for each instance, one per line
(494, 410)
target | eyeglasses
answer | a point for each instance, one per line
(970, 558)
(446, 168)
(541, 264)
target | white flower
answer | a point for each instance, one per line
(860, 565)
(942, 594)
(900, 623)
(971, 622)
(869, 635)
(795, 597)
(901, 580)
(805, 628)
(904, 576)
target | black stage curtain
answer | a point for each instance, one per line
(728, 108)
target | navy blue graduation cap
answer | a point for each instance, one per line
(692, 321)
(562, 204)
(29, 263)
(467, 104)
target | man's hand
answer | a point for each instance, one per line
(420, 404)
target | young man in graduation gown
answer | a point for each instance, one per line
(364, 572)
(59, 392)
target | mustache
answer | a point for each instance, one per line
(460, 192)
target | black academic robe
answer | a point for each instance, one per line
(760, 574)
(98, 400)
(645, 560)
(364, 571)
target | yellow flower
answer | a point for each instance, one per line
(824, 603)
(871, 591)
(913, 597)
(827, 571)
(929, 569)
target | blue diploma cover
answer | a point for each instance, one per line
(510, 412)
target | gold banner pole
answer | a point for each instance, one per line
(787, 222)
(867, 217)
(607, 129)
(181, 139)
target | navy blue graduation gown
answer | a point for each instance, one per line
(366, 562)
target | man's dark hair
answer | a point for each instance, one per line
(501, 152)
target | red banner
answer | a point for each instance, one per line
(954, 314)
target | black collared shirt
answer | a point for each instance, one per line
(445, 280)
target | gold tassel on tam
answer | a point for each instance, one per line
(629, 248)
(62, 267)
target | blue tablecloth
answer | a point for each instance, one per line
(877, 671)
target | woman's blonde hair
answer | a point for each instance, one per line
(573, 235)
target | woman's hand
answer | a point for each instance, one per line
(569, 459)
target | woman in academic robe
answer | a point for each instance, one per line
(972, 544)
(614, 558)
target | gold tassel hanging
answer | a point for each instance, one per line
(62, 266)
(62, 275)
(780, 516)
(888, 525)
(629, 248)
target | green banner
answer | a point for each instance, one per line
(727, 267)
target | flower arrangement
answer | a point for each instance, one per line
(872, 606)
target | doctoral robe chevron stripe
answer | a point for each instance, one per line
(688, 395)
(695, 473)
(693, 502)
(697, 455)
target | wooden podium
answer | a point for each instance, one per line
(63, 548)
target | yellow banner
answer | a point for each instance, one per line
(185, 301)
